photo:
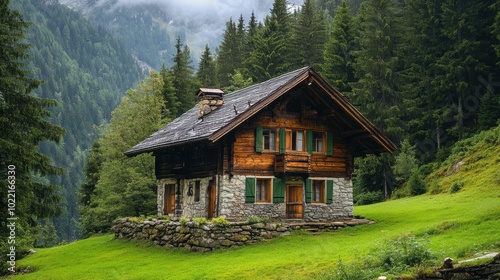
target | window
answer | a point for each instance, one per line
(295, 140)
(317, 141)
(318, 191)
(269, 139)
(263, 190)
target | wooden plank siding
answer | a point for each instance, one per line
(247, 161)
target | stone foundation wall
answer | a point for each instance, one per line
(341, 208)
(233, 205)
(207, 237)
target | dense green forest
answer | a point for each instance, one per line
(87, 71)
(425, 72)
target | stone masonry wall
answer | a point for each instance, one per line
(233, 205)
(207, 237)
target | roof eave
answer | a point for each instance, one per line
(133, 153)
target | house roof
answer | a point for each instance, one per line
(242, 104)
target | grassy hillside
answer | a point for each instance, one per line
(458, 224)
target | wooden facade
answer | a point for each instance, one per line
(283, 149)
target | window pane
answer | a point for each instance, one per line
(262, 190)
(269, 139)
(299, 140)
(318, 141)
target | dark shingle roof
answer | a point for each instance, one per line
(188, 127)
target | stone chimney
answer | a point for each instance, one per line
(209, 99)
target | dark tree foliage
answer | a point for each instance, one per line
(271, 55)
(309, 37)
(338, 62)
(23, 124)
(206, 69)
(183, 81)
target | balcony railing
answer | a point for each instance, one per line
(293, 163)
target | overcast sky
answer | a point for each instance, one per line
(221, 9)
(207, 18)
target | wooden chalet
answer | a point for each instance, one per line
(281, 149)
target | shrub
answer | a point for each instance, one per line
(456, 187)
(403, 253)
(200, 221)
(400, 193)
(255, 220)
(183, 221)
(416, 183)
(351, 271)
(368, 197)
(220, 221)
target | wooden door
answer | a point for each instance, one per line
(294, 205)
(211, 199)
(169, 199)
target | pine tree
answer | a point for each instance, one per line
(423, 113)
(183, 77)
(206, 70)
(23, 124)
(378, 64)
(309, 37)
(172, 105)
(271, 55)
(227, 55)
(338, 59)
(466, 31)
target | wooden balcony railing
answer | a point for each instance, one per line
(293, 163)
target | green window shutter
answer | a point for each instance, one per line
(329, 143)
(282, 140)
(308, 191)
(329, 192)
(309, 142)
(250, 190)
(258, 139)
(278, 190)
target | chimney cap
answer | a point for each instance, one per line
(209, 91)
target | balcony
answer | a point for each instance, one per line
(293, 163)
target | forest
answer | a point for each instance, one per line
(425, 72)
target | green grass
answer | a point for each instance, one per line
(458, 225)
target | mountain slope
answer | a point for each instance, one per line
(87, 71)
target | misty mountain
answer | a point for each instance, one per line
(149, 28)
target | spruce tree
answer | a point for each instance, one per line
(378, 64)
(23, 124)
(227, 54)
(309, 37)
(271, 55)
(182, 71)
(468, 56)
(338, 59)
(206, 70)
(172, 104)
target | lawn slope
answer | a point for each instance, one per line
(458, 223)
